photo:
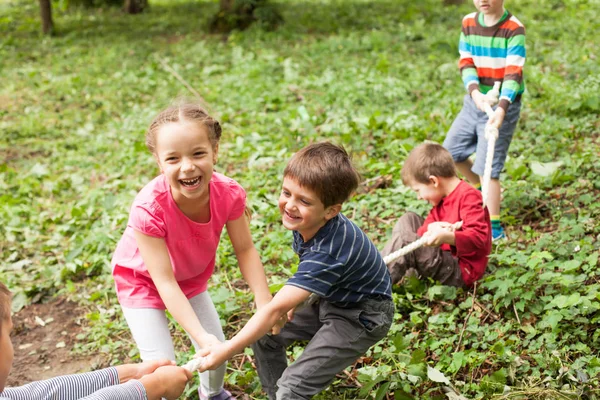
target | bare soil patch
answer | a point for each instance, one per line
(43, 337)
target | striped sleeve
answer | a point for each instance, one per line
(80, 386)
(515, 61)
(466, 62)
(132, 390)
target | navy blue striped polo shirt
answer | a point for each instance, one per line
(341, 264)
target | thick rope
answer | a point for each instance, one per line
(409, 248)
(194, 364)
(491, 134)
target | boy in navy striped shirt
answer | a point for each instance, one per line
(339, 267)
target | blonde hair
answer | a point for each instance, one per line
(427, 159)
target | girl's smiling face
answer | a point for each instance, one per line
(186, 157)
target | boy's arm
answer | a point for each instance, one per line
(72, 387)
(475, 233)
(513, 71)
(260, 324)
(466, 63)
(249, 260)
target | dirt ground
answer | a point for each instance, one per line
(43, 337)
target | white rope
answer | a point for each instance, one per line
(491, 134)
(194, 364)
(409, 248)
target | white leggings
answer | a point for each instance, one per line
(150, 330)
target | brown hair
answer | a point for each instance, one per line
(325, 169)
(184, 112)
(425, 160)
(5, 299)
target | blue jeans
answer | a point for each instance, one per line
(467, 136)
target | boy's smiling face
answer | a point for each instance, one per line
(430, 192)
(6, 352)
(492, 7)
(302, 210)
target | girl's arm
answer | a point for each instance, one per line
(155, 254)
(249, 260)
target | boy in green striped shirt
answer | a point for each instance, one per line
(492, 48)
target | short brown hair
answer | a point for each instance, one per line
(184, 112)
(5, 300)
(427, 159)
(326, 169)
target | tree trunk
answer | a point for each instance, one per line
(135, 6)
(46, 13)
(226, 5)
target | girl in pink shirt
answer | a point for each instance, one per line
(167, 253)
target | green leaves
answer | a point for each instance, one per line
(379, 78)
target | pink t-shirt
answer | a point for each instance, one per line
(192, 246)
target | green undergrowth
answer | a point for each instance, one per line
(377, 76)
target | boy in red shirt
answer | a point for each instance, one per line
(452, 257)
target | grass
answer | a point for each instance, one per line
(376, 76)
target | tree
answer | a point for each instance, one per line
(46, 13)
(240, 14)
(135, 6)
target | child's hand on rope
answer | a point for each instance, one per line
(435, 237)
(276, 329)
(439, 225)
(498, 117)
(441, 232)
(166, 382)
(480, 100)
(136, 371)
(215, 356)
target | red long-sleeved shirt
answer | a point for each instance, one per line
(473, 242)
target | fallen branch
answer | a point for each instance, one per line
(462, 331)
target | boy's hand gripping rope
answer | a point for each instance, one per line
(491, 134)
(409, 248)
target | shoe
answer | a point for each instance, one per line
(498, 234)
(222, 395)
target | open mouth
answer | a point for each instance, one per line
(290, 216)
(190, 182)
